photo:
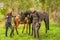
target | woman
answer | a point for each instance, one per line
(8, 22)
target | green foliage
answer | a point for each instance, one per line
(49, 6)
(26, 4)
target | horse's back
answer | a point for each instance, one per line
(16, 19)
(43, 14)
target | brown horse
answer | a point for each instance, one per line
(17, 21)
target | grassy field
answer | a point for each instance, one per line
(53, 33)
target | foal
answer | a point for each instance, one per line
(17, 20)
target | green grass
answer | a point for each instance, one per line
(53, 33)
(1, 17)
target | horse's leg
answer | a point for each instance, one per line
(13, 31)
(32, 29)
(23, 28)
(29, 27)
(16, 28)
(46, 24)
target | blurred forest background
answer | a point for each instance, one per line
(52, 7)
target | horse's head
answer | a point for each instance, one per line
(22, 16)
(25, 13)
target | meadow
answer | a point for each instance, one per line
(52, 7)
(53, 33)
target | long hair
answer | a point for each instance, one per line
(10, 11)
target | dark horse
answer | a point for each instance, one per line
(43, 16)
